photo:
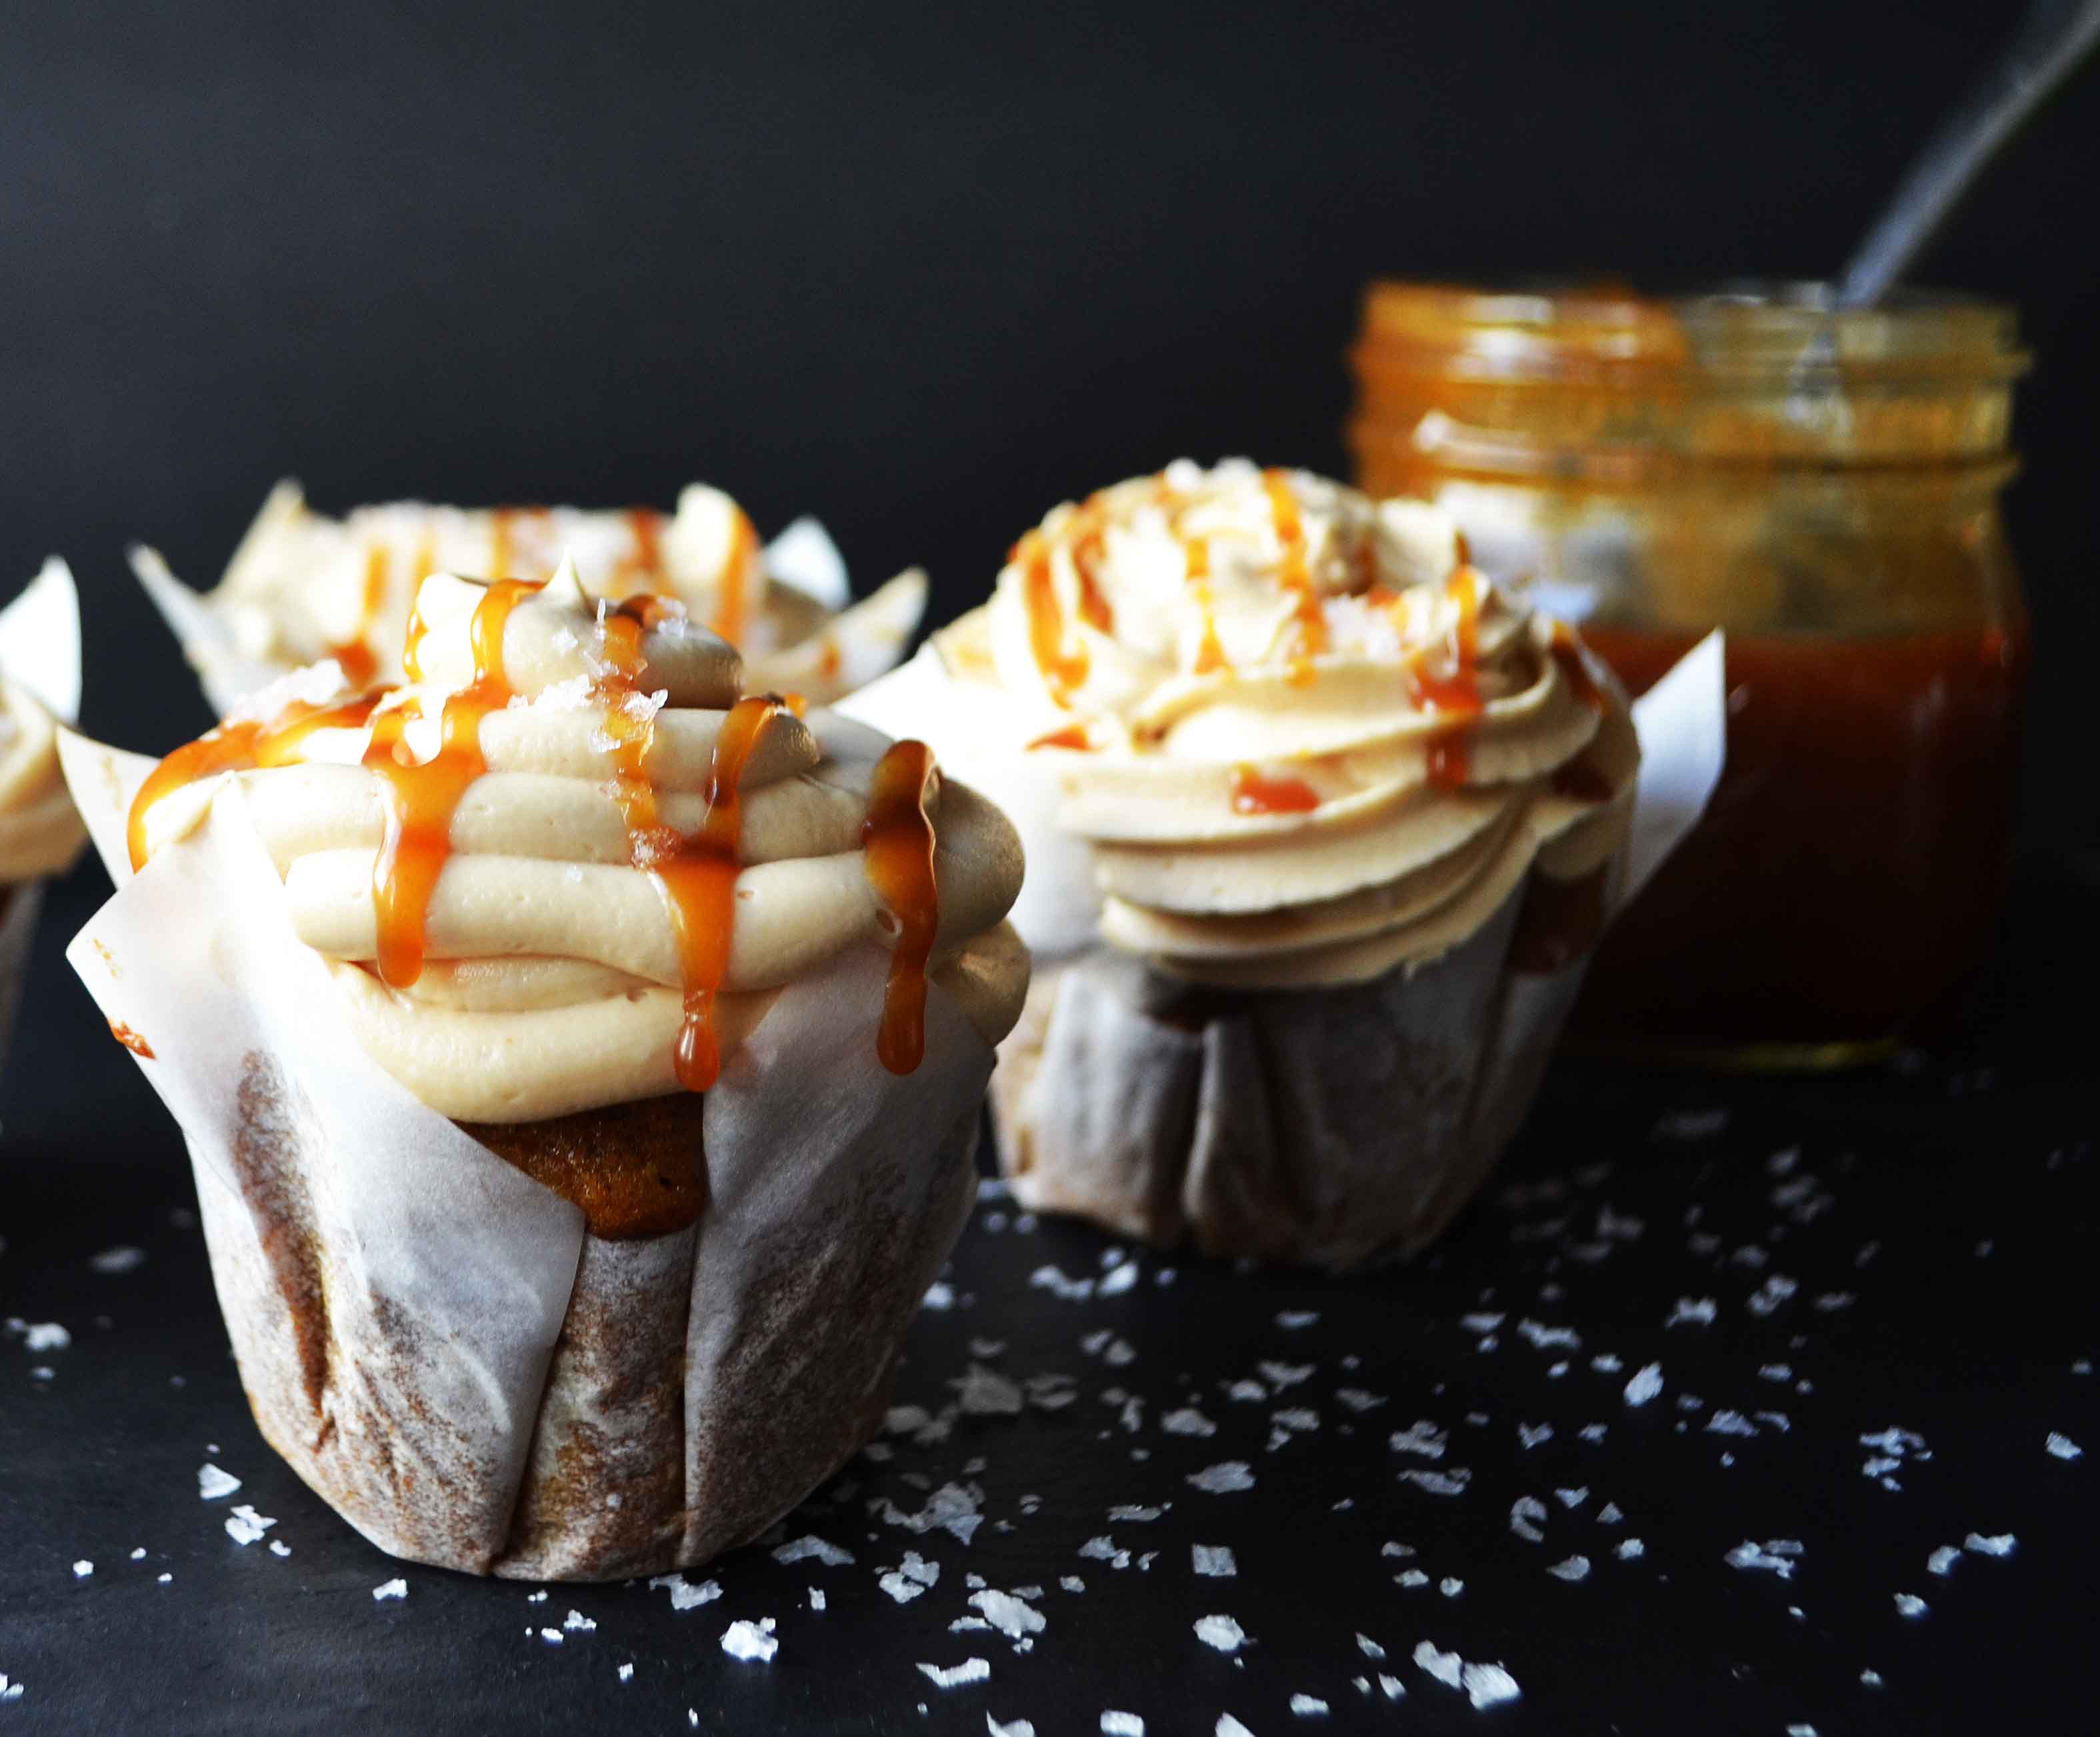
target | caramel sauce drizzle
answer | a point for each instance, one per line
(1294, 574)
(643, 564)
(1072, 736)
(236, 747)
(1254, 792)
(733, 606)
(358, 662)
(500, 552)
(1456, 693)
(896, 843)
(1210, 649)
(1088, 547)
(131, 1040)
(421, 797)
(1062, 671)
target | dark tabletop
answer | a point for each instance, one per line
(1867, 1303)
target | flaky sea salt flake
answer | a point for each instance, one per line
(748, 1641)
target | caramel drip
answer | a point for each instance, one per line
(643, 564)
(131, 1040)
(897, 841)
(1456, 693)
(830, 660)
(1295, 576)
(1072, 736)
(421, 798)
(235, 748)
(699, 885)
(1087, 549)
(733, 605)
(1210, 649)
(358, 662)
(500, 551)
(1253, 792)
(1568, 654)
(1062, 671)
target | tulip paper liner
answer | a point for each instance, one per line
(1326, 1127)
(433, 1340)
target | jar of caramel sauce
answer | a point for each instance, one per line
(1825, 486)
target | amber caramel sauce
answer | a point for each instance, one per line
(421, 798)
(1073, 737)
(733, 605)
(1210, 649)
(897, 844)
(355, 655)
(1062, 671)
(1254, 792)
(131, 1040)
(1454, 694)
(1848, 868)
(1295, 576)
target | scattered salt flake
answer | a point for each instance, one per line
(213, 1483)
(1610, 1514)
(950, 1509)
(246, 1525)
(625, 1673)
(940, 1294)
(118, 1260)
(1297, 1418)
(1390, 1688)
(1573, 1498)
(1131, 1511)
(2062, 1446)
(1942, 1561)
(44, 1335)
(1730, 1423)
(278, 1547)
(954, 1676)
(1009, 1613)
(684, 1595)
(1122, 1725)
(1228, 1726)
(1776, 1371)
(1698, 1310)
(1450, 1586)
(1187, 1421)
(1452, 1483)
(1214, 1561)
(1357, 1400)
(540, 1596)
(1411, 1578)
(747, 1641)
(1574, 1568)
(166, 1578)
(82, 1568)
(1481, 1322)
(1397, 1549)
(1220, 1632)
(1052, 1280)
(1420, 1437)
(1627, 1549)
(1447, 1667)
(1592, 1432)
(1546, 1338)
(577, 1622)
(1489, 1685)
(1645, 1385)
(1831, 1302)
(1606, 1362)
(1103, 1549)
(10, 1690)
(396, 1589)
(1777, 1555)
(1013, 1728)
(830, 1555)
(139, 1555)
(1909, 1604)
(1801, 1730)
(552, 1637)
(1768, 1296)
(1247, 1392)
(1283, 1375)
(1223, 1478)
(1118, 1279)
(1292, 1319)
(2001, 1546)
(1531, 1434)
(1871, 1679)
(1308, 1706)
(986, 1393)
(1369, 1647)
(816, 1598)
(1526, 1514)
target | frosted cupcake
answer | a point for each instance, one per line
(40, 832)
(582, 1061)
(1330, 825)
(303, 586)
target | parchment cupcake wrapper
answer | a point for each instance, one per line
(435, 1341)
(1327, 1127)
(18, 931)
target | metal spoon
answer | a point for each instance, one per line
(2057, 36)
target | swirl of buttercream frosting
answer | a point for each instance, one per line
(1305, 740)
(572, 862)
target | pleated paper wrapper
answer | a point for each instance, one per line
(1326, 1127)
(431, 1339)
(40, 651)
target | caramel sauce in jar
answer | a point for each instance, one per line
(1824, 487)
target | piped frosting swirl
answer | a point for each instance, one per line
(573, 862)
(1306, 741)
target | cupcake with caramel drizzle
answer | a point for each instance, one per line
(570, 864)
(717, 971)
(1318, 792)
(303, 586)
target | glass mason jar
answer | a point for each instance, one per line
(1825, 486)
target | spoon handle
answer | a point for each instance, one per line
(2057, 36)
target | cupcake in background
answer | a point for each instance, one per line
(1321, 829)
(582, 1060)
(303, 586)
(40, 832)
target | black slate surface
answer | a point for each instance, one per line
(1937, 1220)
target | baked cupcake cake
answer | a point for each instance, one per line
(582, 1058)
(1334, 823)
(303, 586)
(40, 832)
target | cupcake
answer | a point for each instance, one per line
(40, 832)
(582, 1061)
(1333, 823)
(303, 586)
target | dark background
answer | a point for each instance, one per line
(922, 271)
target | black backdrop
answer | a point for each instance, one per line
(922, 271)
